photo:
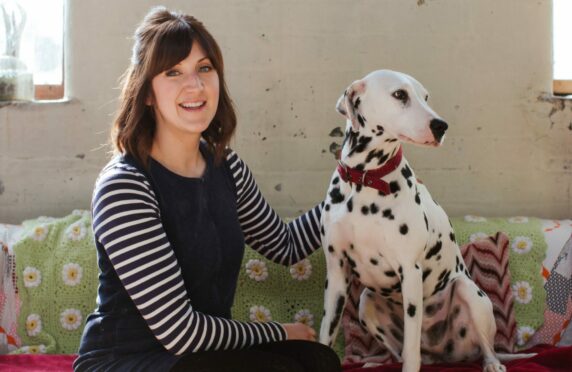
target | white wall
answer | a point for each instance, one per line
(487, 64)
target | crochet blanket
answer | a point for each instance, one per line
(57, 280)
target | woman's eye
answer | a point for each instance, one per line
(172, 73)
(205, 68)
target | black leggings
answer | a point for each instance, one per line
(283, 356)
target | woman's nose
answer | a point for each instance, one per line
(194, 82)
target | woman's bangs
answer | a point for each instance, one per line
(173, 46)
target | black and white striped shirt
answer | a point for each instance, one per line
(127, 227)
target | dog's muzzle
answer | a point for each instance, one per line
(438, 128)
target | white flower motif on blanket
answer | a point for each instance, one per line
(301, 270)
(259, 313)
(478, 236)
(71, 274)
(40, 232)
(257, 270)
(472, 218)
(518, 219)
(522, 292)
(76, 231)
(522, 244)
(33, 325)
(524, 334)
(71, 319)
(34, 349)
(304, 316)
(32, 277)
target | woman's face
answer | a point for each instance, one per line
(185, 97)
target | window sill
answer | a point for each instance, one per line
(35, 102)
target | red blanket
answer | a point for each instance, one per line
(549, 358)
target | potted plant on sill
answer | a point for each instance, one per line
(16, 82)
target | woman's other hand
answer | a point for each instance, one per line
(299, 331)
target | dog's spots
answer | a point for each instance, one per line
(403, 229)
(452, 237)
(411, 309)
(394, 187)
(360, 145)
(432, 309)
(350, 204)
(391, 140)
(356, 274)
(350, 260)
(341, 263)
(351, 247)
(361, 120)
(434, 251)
(426, 273)
(406, 171)
(327, 207)
(356, 104)
(386, 292)
(417, 199)
(390, 273)
(436, 332)
(387, 214)
(336, 196)
(331, 248)
(449, 347)
(322, 230)
(358, 188)
(337, 314)
(481, 293)
(443, 280)
(380, 130)
(365, 210)
(396, 287)
(463, 332)
(326, 284)
(335, 180)
(373, 261)
(373, 208)
(379, 154)
(426, 221)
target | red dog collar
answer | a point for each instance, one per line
(371, 178)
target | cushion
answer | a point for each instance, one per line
(57, 282)
(9, 301)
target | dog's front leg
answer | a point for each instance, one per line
(412, 290)
(335, 295)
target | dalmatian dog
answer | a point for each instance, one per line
(381, 225)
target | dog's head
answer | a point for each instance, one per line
(394, 105)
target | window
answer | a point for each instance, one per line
(41, 44)
(562, 14)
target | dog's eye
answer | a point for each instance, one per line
(401, 95)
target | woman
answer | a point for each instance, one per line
(171, 214)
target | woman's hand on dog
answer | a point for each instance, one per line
(299, 331)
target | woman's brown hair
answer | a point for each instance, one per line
(162, 40)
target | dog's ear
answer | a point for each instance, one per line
(348, 103)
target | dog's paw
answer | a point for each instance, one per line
(494, 367)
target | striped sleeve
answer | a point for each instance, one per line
(127, 224)
(263, 229)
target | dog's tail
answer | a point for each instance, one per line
(509, 357)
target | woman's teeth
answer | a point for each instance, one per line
(192, 105)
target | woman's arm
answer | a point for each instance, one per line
(264, 230)
(127, 224)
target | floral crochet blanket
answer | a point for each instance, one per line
(57, 279)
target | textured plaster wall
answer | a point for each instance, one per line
(487, 64)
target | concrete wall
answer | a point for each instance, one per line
(487, 64)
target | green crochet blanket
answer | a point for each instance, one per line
(57, 282)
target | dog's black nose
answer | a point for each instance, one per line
(438, 128)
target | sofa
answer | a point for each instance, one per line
(524, 264)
